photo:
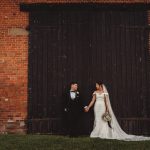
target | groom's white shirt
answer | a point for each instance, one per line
(72, 95)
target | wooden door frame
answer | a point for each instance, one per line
(89, 6)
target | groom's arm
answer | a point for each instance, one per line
(82, 103)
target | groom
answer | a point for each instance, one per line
(73, 108)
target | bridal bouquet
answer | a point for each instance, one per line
(106, 117)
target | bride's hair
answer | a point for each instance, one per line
(100, 83)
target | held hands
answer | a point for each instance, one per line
(86, 109)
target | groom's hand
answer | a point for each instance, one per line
(65, 109)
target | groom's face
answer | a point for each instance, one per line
(74, 86)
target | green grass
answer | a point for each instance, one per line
(49, 142)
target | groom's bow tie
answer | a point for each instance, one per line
(73, 91)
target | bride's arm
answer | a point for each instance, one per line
(92, 102)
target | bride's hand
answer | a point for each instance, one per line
(106, 110)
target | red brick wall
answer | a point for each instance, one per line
(13, 67)
(14, 61)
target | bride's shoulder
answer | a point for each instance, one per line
(94, 93)
(105, 93)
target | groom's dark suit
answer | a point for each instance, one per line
(73, 107)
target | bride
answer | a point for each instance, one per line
(103, 128)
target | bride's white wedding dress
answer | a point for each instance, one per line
(101, 128)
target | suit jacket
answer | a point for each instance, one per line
(73, 105)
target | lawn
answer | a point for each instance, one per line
(51, 142)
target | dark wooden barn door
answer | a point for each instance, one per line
(87, 45)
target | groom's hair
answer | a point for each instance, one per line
(73, 82)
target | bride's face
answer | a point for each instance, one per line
(98, 87)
